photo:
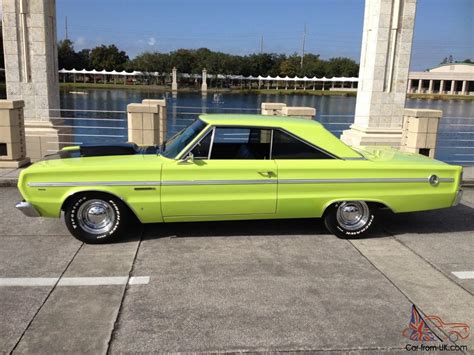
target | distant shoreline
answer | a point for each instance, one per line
(156, 88)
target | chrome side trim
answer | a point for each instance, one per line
(446, 179)
(94, 183)
(27, 209)
(234, 182)
(218, 182)
(358, 180)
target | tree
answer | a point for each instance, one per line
(67, 57)
(342, 67)
(108, 58)
(288, 68)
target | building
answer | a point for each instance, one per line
(451, 79)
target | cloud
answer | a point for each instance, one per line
(80, 41)
(151, 41)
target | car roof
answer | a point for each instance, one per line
(257, 120)
(309, 130)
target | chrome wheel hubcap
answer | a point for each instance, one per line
(352, 215)
(96, 216)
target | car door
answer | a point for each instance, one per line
(302, 169)
(228, 172)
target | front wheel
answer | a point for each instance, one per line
(349, 219)
(96, 218)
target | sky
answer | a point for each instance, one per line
(333, 27)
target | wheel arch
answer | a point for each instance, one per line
(71, 195)
(376, 203)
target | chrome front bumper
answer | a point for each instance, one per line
(458, 198)
(27, 209)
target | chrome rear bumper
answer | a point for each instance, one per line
(458, 198)
(27, 209)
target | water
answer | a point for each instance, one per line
(455, 136)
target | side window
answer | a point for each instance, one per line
(288, 147)
(201, 150)
(241, 143)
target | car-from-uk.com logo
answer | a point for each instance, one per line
(432, 333)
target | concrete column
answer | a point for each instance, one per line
(31, 65)
(409, 85)
(420, 128)
(420, 86)
(441, 87)
(299, 111)
(146, 126)
(162, 117)
(464, 88)
(174, 84)
(280, 109)
(383, 75)
(272, 108)
(430, 88)
(12, 134)
(204, 80)
(453, 87)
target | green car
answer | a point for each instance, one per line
(234, 167)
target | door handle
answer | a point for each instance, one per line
(267, 173)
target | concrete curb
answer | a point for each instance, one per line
(12, 182)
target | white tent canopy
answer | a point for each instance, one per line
(219, 76)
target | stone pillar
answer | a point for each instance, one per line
(299, 111)
(409, 85)
(31, 64)
(272, 108)
(420, 86)
(12, 134)
(153, 123)
(430, 88)
(441, 87)
(31, 69)
(420, 127)
(453, 87)
(42, 138)
(174, 84)
(204, 80)
(464, 88)
(383, 75)
(145, 126)
(162, 117)
(280, 109)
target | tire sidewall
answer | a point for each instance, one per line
(74, 227)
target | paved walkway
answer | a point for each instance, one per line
(233, 286)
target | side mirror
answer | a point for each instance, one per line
(187, 159)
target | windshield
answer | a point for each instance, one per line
(180, 140)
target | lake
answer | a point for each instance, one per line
(455, 136)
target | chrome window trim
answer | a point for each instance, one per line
(212, 142)
(234, 182)
(271, 144)
(321, 150)
(200, 136)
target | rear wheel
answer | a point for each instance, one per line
(350, 219)
(96, 218)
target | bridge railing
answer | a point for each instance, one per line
(455, 140)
